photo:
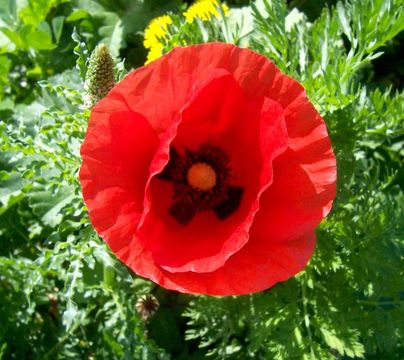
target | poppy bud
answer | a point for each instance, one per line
(100, 77)
(146, 306)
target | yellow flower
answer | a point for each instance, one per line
(155, 52)
(204, 10)
(156, 30)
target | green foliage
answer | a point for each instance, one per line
(118, 24)
(54, 272)
(35, 36)
(63, 295)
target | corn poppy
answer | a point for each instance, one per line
(208, 170)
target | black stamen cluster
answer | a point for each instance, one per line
(223, 199)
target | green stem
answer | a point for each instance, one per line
(307, 321)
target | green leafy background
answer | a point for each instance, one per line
(63, 295)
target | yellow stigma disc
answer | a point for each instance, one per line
(201, 176)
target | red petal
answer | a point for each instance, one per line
(116, 156)
(304, 178)
(217, 105)
(308, 138)
(257, 266)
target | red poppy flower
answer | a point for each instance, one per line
(208, 170)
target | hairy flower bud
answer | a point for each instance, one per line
(100, 77)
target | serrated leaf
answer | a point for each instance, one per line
(48, 205)
(82, 54)
(11, 186)
(342, 16)
(70, 314)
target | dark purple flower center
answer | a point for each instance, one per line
(201, 182)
